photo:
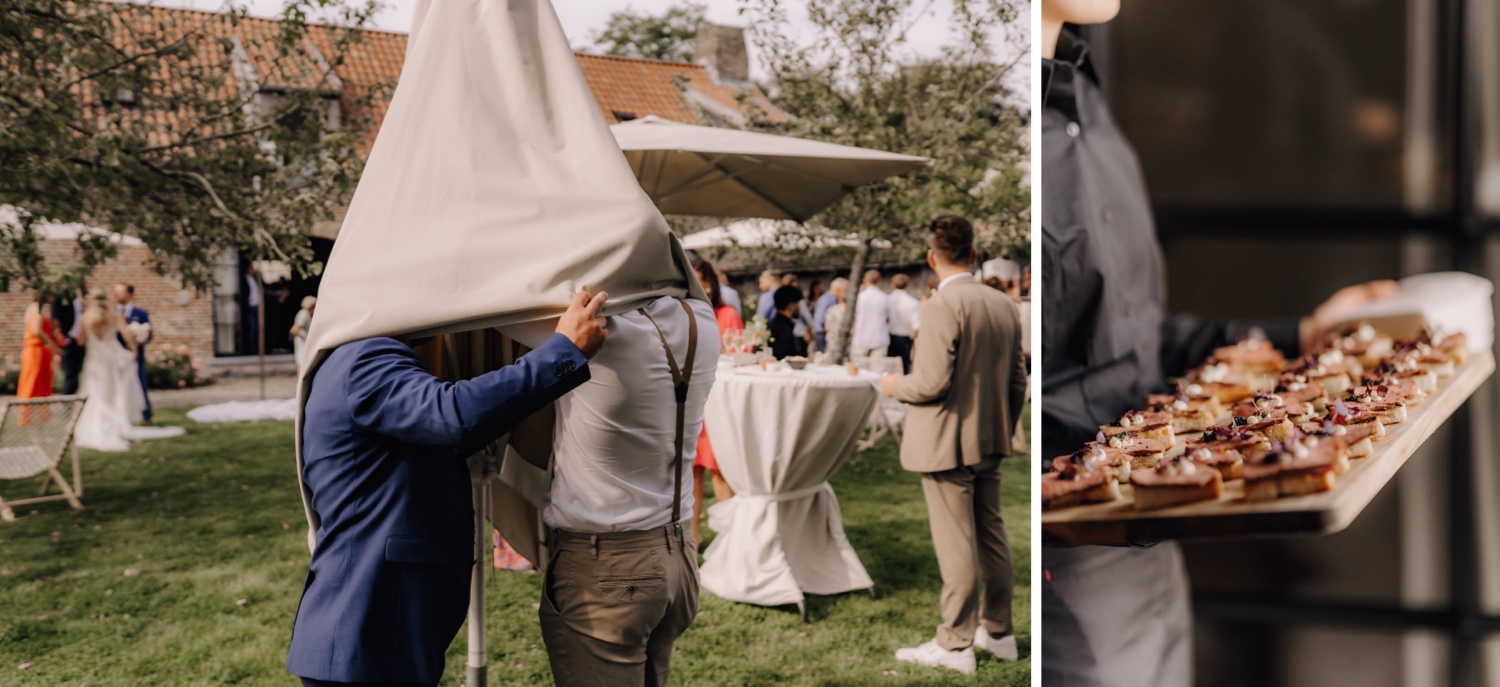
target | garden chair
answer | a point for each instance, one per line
(889, 415)
(35, 435)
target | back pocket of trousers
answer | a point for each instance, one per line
(629, 590)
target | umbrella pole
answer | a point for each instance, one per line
(478, 667)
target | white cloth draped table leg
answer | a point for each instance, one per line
(778, 438)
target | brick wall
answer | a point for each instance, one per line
(177, 316)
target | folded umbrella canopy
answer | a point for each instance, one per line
(493, 193)
(700, 170)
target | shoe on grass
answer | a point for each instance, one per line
(1004, 648)
(930, 654)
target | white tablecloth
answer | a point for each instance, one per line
(778, 436)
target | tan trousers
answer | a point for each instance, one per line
(613, 604)
(963, 507)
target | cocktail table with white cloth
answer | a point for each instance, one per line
(779, 435)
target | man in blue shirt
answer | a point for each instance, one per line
(385, 447)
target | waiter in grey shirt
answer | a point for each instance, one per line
(1114, 616)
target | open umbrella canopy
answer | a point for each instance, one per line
(759, 233)
(699, 170)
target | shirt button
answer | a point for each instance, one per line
(1073, 129)
(1109, 215)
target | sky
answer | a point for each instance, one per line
(583, 19)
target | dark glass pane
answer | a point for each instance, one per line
(1281, 103)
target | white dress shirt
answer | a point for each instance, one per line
(613, 442)
(871, 315)
(252, 292)
(903, 315)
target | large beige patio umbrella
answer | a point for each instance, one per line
(700, 170)
(493, 192)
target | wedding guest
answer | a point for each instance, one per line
(300, 327)
(802, 321)
(136, 315)
(68, 314)
(40, 347)
(729, 322)
(964, 396)
(872, 333)
(385, 449)
(623, 583)
(250, 301)
(727, 293)
(770, 280)
(783, 326)
(904, 317)
(834, 320)
(835, 295)
(815, 290)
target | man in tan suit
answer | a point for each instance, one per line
(965, 391)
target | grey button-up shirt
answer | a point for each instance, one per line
(1107, 341)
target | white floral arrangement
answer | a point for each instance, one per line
(140, 331)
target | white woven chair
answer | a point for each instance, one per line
(889, 415)
(35, 435)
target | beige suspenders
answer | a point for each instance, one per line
(680, 378)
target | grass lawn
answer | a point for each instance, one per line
(185, 569)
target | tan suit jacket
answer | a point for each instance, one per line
(967, 381)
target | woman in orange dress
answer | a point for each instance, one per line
(729, 321)
(38, 350)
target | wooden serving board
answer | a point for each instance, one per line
(1231, 517)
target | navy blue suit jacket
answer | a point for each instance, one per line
(384, 448)
(133, 314)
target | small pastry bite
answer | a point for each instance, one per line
(1305, 392)
(1227, 461)
(1390, 410)
(1095, 457)
(1187, 415)
(1143, 452)
(1195, 394)
(1255, 357)
(1360, 342)
(1071, 486)
(1175, 481)
(1267, 401)
(1230, 438)
(1294, 468)
(1151, 425)
(1357, 437)
(1455, 345)
(1330, 370)
(1273, 424)
(1224, 383)
(1390, 385)
(1405, 367)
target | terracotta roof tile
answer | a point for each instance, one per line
(625, 88)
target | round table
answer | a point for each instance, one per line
(779, 435)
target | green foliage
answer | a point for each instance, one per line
(668, 36)
(212, 525)
(846, 83)
(194, 132)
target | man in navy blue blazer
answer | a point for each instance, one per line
(385, 447)
(134, 314)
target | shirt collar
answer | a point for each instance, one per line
(1071, 58)
(957, 277)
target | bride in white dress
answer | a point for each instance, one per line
(109, 379)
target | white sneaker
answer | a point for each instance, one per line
(1004, 648)
(930, 654)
